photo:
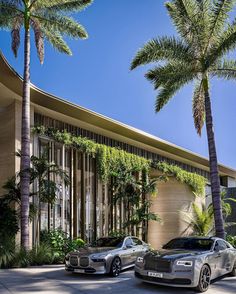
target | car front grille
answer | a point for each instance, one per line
(157, 264)
(74, 260)
(84, 261)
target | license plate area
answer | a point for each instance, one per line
(78, 270)
(155, 275)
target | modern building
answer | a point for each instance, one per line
(85, 207)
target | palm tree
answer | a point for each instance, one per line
(50, 20)
(201, 221)
(206, 36)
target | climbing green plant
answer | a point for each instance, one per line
(196, 182)
(110, 160)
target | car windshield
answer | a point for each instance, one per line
(108, 242)
(189, 243)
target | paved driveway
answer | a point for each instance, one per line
(54, 280)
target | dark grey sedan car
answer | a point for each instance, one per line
(188, 262)
(106, 255)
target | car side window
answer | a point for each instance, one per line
(220, 245)
(137, 242)
(128, 242)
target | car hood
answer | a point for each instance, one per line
(174, 254)
(93, 250)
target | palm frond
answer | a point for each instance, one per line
(226, 70)
(15, 35)
(225, 42)
(64, 25)
(169, 79)
(167, 92)
(62, 5)
(162, 49)
(198, 107)
(56, 40)
(187, 18)
(171, 72)
(218, 16)
(8, 13)
(39, 38)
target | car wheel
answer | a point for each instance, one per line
(115, 267)
(233, 273)
(204, 279)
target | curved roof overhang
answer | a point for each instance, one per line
(10, 79)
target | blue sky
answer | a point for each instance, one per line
(97, 76)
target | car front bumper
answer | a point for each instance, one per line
(93, 268)
(174, 279)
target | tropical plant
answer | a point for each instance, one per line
(201, 220)
(43, 173)
(232, 240)
(206, 36)
(50, 20)
(7, 251)
(136, 195)
(8, 222)
(42, 254)
(60, 243)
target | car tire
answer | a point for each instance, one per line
(233, 273)
(115, 267)
(204, 279)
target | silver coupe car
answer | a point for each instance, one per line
(188, 262)
(107, 255)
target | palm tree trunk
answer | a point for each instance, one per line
(25, 145)
(214, 173)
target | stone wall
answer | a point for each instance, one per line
(172, 199)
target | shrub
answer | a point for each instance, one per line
(60, 243)
(41, 254)
(232, 240)
(72, 245)
(7, 252)
(20, 258)
(8, 222)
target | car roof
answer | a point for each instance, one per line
(197, 237)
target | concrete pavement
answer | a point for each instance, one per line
(54, 280)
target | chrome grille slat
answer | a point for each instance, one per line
(74, 260)
(84, 261)
(157, 264)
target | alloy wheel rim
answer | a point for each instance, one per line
(116, 267)
(205, 278)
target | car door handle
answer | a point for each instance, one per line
(218, 255)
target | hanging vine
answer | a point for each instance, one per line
(110, 160)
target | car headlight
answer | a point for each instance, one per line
(188, 263)
(67, 256)
(99, 258)
(139, 259)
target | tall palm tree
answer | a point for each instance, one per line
(205, 37)
(50, 20)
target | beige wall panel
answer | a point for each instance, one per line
(173, 197)
(7, 144)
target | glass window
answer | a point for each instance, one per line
(220, 245)
(67, 193)
(128, 242)
(137, 242)
(108, 242)
(89, 198)
(190, 244)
